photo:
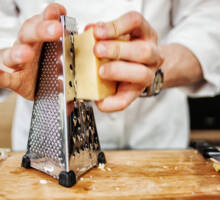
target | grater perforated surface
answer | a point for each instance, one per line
(46, 136)
(46, 142)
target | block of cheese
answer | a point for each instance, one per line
(89, 85)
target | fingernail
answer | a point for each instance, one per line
(101, 49)
(51, 29)
(101, 71)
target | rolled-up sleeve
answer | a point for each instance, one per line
(196, 25)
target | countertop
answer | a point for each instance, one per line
(171, 174)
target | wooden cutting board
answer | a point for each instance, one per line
(182, 174)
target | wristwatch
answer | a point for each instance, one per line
(156, 86)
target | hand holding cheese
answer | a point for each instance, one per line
(19, 64)
(88, 84)
(132, 63)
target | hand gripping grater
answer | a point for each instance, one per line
(63, 140)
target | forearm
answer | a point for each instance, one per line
(180, 66)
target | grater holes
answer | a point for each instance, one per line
(46, 138)
(70, 84)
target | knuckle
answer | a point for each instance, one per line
(115, 28)
(117, 51)
(136, 18)
(161, 61)
(146, 51)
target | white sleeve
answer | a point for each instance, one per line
(9, 23)
(196, 25)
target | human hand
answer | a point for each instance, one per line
(23, 57)
(133, 63)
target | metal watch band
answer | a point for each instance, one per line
(156, 85)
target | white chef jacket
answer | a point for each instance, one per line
(155, 122)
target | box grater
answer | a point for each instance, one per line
(63, 140)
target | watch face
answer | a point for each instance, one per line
(158, 82)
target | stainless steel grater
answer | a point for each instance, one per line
(63, 140)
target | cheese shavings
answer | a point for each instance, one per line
(216, 165)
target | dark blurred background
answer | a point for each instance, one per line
(205, 119)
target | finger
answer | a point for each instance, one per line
(5, 78)
(88, 26)
(15, 82)
(136, 51)
(17, 55)
(125, 37)
(128, 23)
(50, 30)
(126, 72)
(9, 80)
(125, 95)
(54, 11)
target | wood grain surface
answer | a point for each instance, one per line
(181, 174)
